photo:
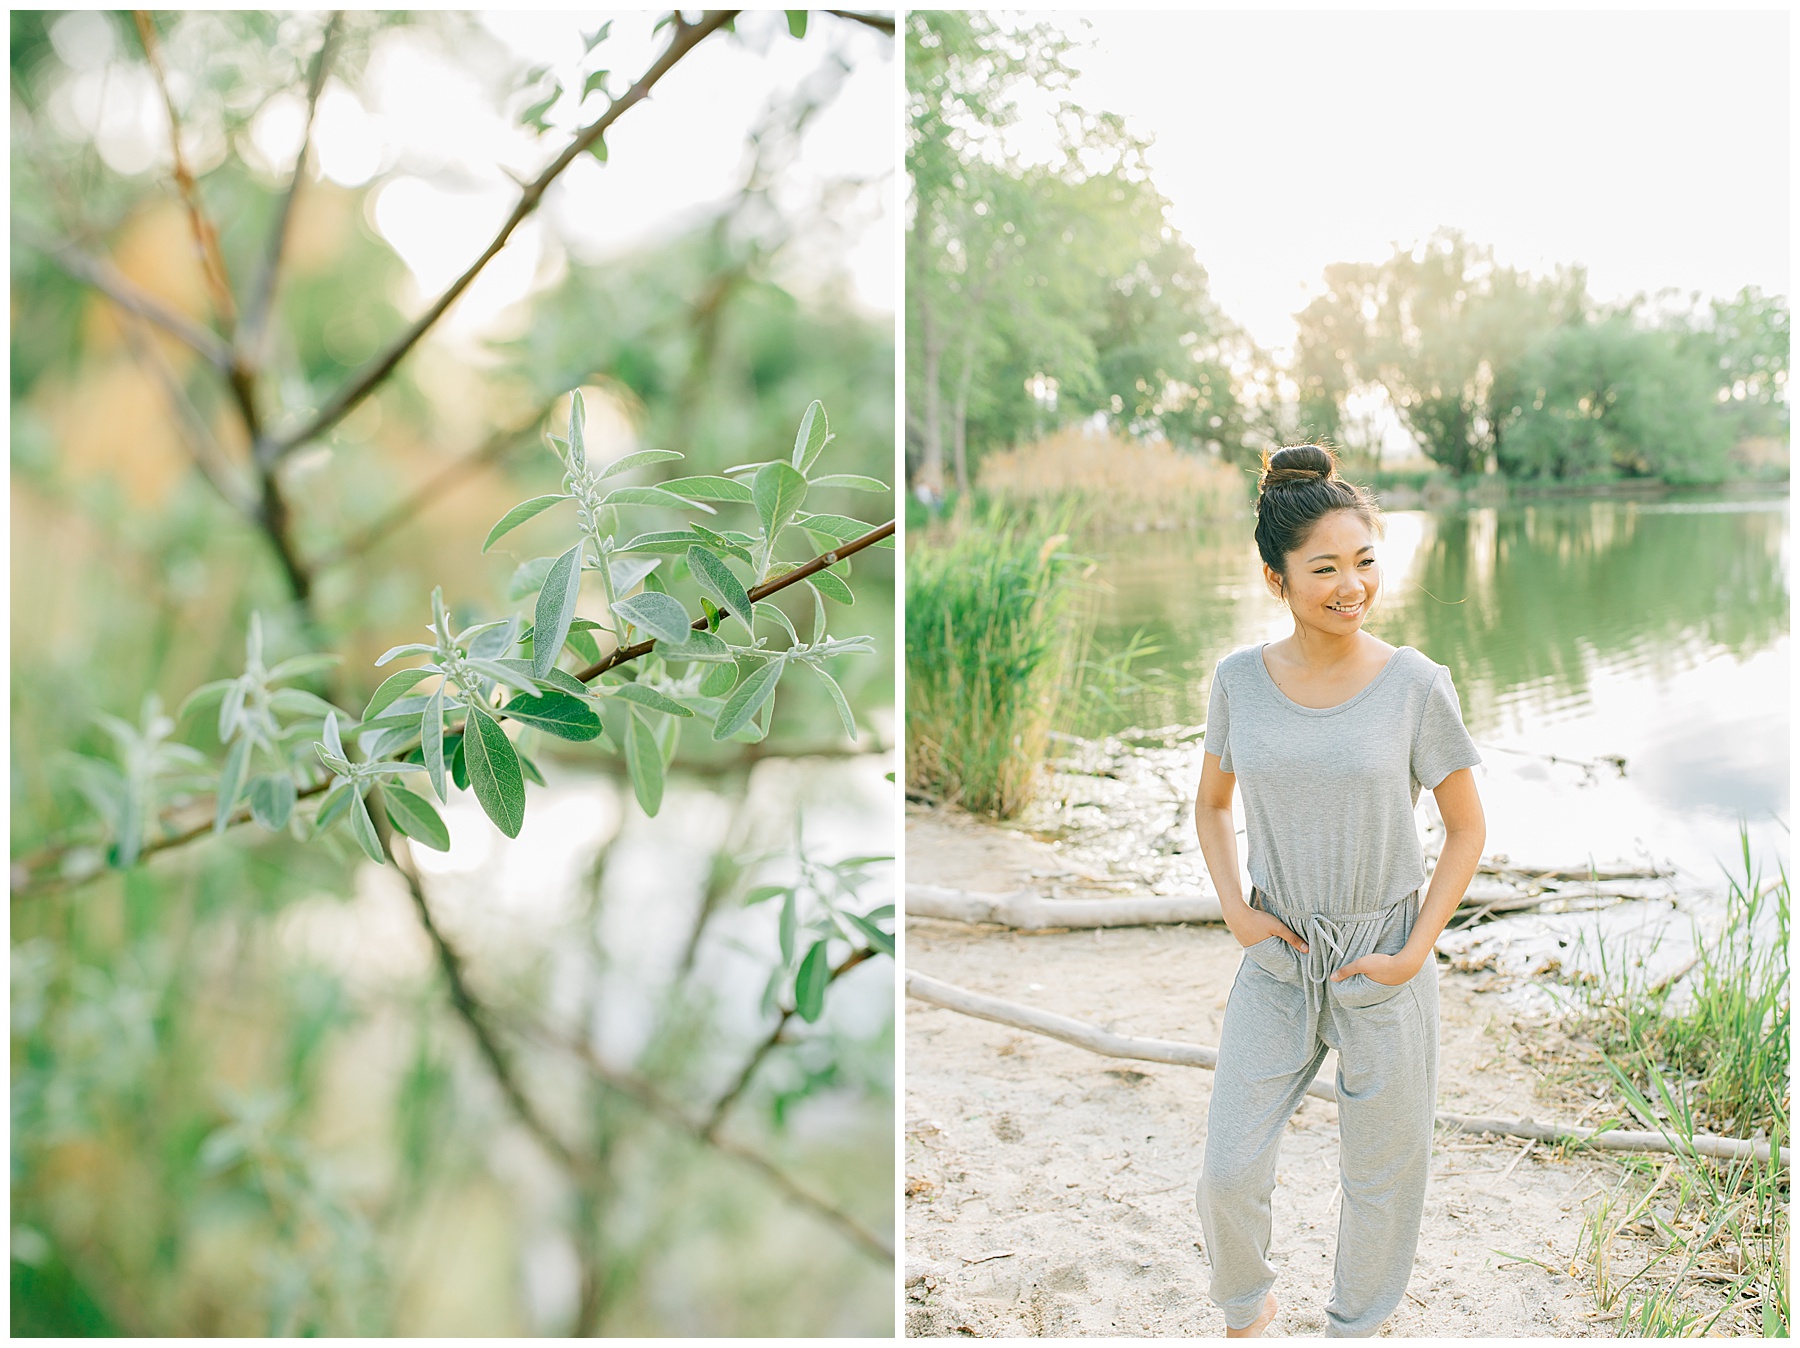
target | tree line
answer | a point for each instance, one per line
(1043, 294)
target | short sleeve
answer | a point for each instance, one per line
(1218, 723)
(1441, 745)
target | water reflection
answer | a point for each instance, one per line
(1655, 631)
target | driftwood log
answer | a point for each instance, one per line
(1080, 1033)
(1027, 910)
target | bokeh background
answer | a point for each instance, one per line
(243, 1100)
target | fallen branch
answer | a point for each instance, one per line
(1104, 1042)
(1024, 910)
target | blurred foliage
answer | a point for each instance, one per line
(242, 1103)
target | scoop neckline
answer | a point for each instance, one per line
(1347, 703)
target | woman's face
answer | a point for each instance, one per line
(1332, 577)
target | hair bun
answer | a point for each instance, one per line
(1294, 464)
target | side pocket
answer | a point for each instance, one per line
(1359, 990)
(1276, 958)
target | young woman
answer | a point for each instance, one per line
(1330, 732)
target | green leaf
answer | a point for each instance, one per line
(494, 771)
(416, 817)
(725, 543)
(577, 427)
(788, 926)
(720, 584)
(719, 680)
(513, 518)
(528, 578)
(878, 939)
(839, 527)
(584, 646)
(851, 482)
(513, 674)
(556, 713)
(459, 761)
(638, 460)
(595, 81)
(655, 496)
(530, 770)
(661, 615)
(299, 702)
(747, 700)
(333, 740)
(409, 648)
(272, 799)
(231, 782)
(814, 431)
(431, 740)
(336, 801)
(596, 38)
(796, 22)
(392, 687)
(809, 983)
(708, 489)
(205, 693)
(763, 893)
(630, 572)
(363, 828)
(778, 491)
(643, 756)
(676, 540)
(301, 665)
(832, 586)
(555, 609)
(838, 700)
(646, 696)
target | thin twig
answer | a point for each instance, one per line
(206, 238)
(710, 1130)
(252, 330)
(209, 457)
(761, 592)
(112, 283)
(879, 22)
(686, 37)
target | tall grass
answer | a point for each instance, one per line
(991, 645)
(1711, 1058)
(1114, 481)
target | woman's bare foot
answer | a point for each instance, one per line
(1255, 1328)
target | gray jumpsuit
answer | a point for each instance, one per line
(1329, 795)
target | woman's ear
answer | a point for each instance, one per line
(1275, 581)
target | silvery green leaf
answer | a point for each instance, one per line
(667, 540)
(769, 610)
(393, 686)
(363, 828)
(387, 742)
(629, 572)
(390, 767)
(778, 491)
(431, 739)
(851, 482)
(789, 925)
(655, 496)
(333, 740)
(525, 510)
(500, 672)
(337, 764)
(272, 800)
(638, 460)
(708, 489)
(813, 433)
(719, 680)
(205, 693)
(231, 782)
(528, 578)
(301, 665)
(584, 645)
(839, 528)
(832, 586)
(737, 468)
(818, 599)
(720, 584)
(494, 771)
(809, 983)
(253, 641)
(559, 679)
(410, 648)
(731, 545)
(440, 621)
(747, 700)
(416, 817)
(476, 639)
(838, 700)
(705, 647)
(643, 758)
(661, 615)
(646, 696)
(299, 702)
(555, 610)
(878, 939)
(577, 430)
(530, 770)
(231, 710)
(331, 807)
(557, 713)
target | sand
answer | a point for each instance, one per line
(1050, 1191)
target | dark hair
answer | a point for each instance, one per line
(1299, 487)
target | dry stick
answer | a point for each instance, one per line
(22, 870)
(1025, 910)
(112, 283)
(360, 385)
(1108, 1044)
(880, 23)
(711, 1128)
(252, 330)
(781, 582)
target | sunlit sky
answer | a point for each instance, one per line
(1653, 147)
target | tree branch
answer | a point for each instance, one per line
(206, 452)
(109, 281)
(710, 1130)
(206, 238)
(360, 385)
(627, 653)
(880, 23)
(251, 331)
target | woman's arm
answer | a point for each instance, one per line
(1465, 834)
(1218, 844)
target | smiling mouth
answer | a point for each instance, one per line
(1354, 608)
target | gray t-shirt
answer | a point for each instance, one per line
(1329, 792)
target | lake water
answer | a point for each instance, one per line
(1577, 630)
